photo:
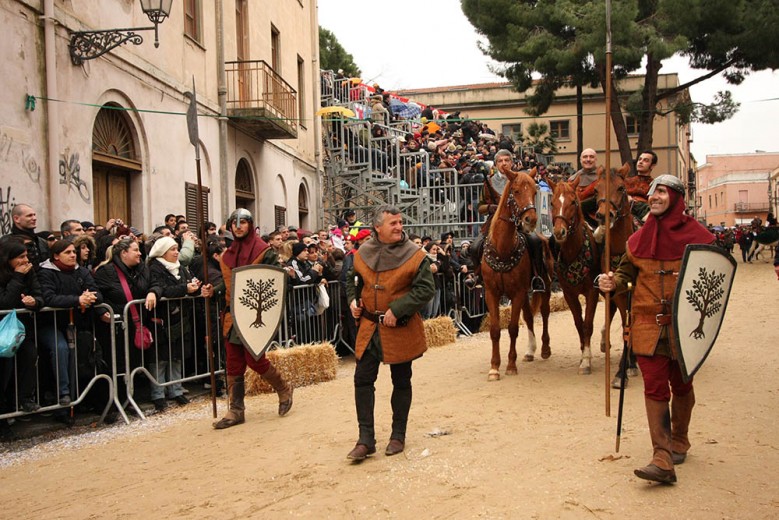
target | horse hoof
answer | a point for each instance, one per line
(617, 382)
(546, 352)
(528, 357)
(585, 371)
(511, 371)
(493, 375)
(632, 372)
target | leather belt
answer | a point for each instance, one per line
(378, 317)
(658, 319)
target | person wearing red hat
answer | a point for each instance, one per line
(651, 263)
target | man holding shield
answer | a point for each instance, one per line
(247, 248)
(652, 264)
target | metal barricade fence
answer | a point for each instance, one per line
(307, 318)
(178, 353)
(85, 364)
(470, 304)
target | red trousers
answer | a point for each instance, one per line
(238, 358)
(662, 376)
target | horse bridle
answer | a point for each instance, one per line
(570, 223)
(516, 211)
(618, 209)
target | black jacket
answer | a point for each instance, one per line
(107, 280)
(62, 289)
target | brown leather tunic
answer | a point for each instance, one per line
(652, 303)
(398, 344)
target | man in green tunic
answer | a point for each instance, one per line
(388, 285)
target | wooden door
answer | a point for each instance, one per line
(111, 189)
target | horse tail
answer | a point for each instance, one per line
(535, 302)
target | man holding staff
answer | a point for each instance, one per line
(651, 264)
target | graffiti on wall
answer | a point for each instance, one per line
(10, 150)
(70, 175)
(7, 204)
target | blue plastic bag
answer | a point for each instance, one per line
(11, 335)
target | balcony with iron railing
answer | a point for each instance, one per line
(259, 101)
(750, 207)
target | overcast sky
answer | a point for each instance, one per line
(415, 44)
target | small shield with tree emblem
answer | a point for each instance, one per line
(257, 305)
(701, 298)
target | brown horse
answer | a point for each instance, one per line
(616, 202)
(507, 271)
(576, 263)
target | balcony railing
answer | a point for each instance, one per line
(749, 207)
(260, 101)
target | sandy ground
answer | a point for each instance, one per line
(537, 445)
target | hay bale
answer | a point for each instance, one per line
(301, 365)
(557, 302)
(440, 331)
(505, 316)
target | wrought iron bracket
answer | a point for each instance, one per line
(88, 45)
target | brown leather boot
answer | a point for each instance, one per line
(661, 469)
(281, 387)
(235, 392)
(681, 411)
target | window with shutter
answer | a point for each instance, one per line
(279, 216)
(191, 201)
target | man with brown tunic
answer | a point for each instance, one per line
(388, 285)
(651, 263)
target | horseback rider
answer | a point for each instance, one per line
(493, 187)
(586, 188)
(638, 186)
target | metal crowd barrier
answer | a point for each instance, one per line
(470, 303)
(79, 385)
(179, 334)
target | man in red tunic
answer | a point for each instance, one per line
(652, 263)
(247, 248)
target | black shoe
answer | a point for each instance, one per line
(181, 399)
(6, 433)
(30, 406)
(159, 404)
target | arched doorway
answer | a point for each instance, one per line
(303, 206)
(114, 163)
(244, 186)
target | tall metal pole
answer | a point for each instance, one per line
(194, 138)
(607, 213)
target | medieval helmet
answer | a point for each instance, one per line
(239, 215)
(670, 181)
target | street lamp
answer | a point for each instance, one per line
(88, 45)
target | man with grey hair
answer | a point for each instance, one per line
(387, 287)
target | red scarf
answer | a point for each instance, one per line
(64, 268)
(666, 236)
(244, 251)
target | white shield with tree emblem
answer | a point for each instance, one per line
(705, 279)
(257, 305)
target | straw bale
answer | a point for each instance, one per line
(505, 316)
(557, 302)
(301, 365)
(440, 331)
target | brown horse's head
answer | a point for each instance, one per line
(616, 200)
(566, 212)
(519, 199)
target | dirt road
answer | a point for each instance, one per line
(537, 445)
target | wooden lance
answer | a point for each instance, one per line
(194, 138)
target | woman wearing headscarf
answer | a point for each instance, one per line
(169, 279)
